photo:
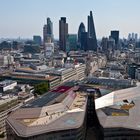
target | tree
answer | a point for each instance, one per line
(41, 88)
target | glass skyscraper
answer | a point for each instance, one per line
(81, 30)
(92, 40)
(48, 31)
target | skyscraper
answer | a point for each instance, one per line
(84, 41)
(63, 33)
(71, 42)
(48, 31)
(136, 37)
(115, 36)
(104, 44)
(80, 31)
(92, 41)
(37, 39)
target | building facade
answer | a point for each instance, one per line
(48, 31)
(62, 118)
(80, 31)
(37, 40)
(63, 33)
(92, 40)
(71, 44)
(115, 36)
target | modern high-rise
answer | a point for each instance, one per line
(104, 44)
(84, 41)
(92, 40)
(115, 36)
(63, 33)
(71, 44)
(48, 31)
(80, 31)
(37, 40)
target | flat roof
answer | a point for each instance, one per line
(61, 89)
(32, 76)
(6, 83)
(25, 68)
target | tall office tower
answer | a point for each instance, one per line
(133, 36)
(104, 44)
(48, 31)
(71, 44)
(129, 36)
(111, 44)
(63, 33)
(115, 36)
(80, 31)
(136, 36)
(44, 34)
(92, 41)
(37, 39)
(84, 41)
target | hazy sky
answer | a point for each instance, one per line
(26, 18)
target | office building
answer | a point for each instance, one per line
(80, 31)
(63, 33)
(118, 114)
(129, 36)
(115, 36)
(35, 78)
(58, 115)
(37, 40)
(132, 70)
(71, 44)
(133, 37)
(6, 60)
(136, 37)
(111, 44)
(7, 85)
(49, 49)
(92, 40)
(137, 75)
(84, 41)
(104, 44)
(80, 71)
(48, 31)
(110, 82)
(70, 72)
(4, 114)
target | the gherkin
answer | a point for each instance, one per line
(80, 31)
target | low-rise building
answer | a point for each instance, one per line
(137, 75)
(59, 114)
(118, 114)
(49, 49)
(7, 85)
(110, 82)
(70, 72)
(34, 78)
(6, 60)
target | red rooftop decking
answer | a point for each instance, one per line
(61, 89)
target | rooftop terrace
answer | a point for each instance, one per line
(70, 113)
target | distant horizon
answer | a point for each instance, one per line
(25, 19)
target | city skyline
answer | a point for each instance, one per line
(25, 19)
